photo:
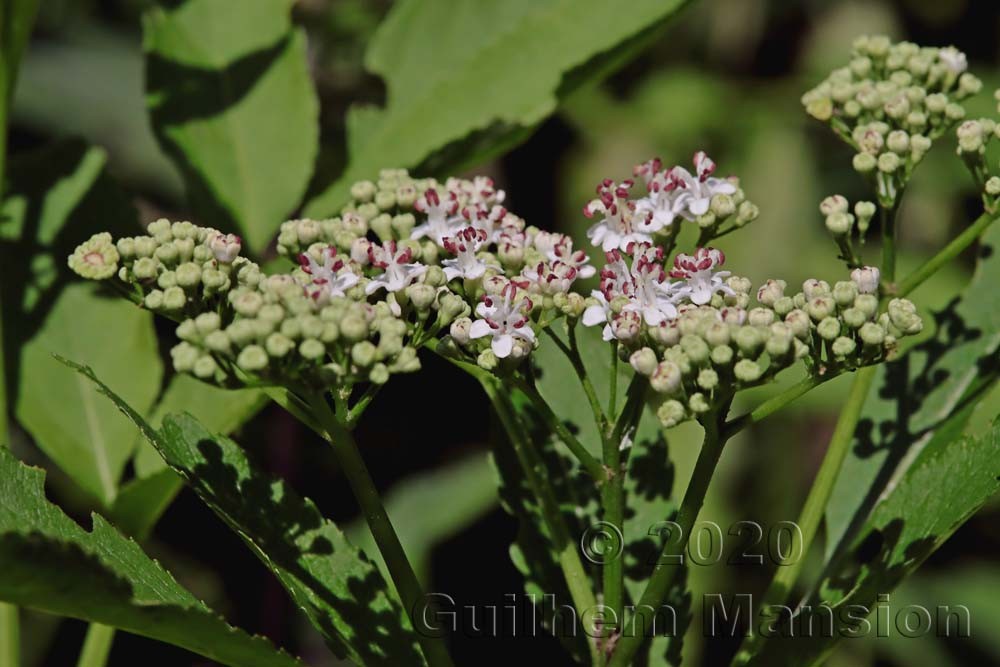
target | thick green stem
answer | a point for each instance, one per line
(634, 633)
(587, 460)
(400, 570)
(534, 470)
(96, 646)
(815, 505)
(946, 254)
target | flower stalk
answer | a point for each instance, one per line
(666, 569)
(367, 495)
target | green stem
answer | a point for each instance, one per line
(815, 505)
(888, 216)
(775, 403)
(587, 460)
(573, 353)
(969, 236)
(613, 385)
(410, 592)
(96, 646)
(634, 633)
(10, 636)
(533, 467)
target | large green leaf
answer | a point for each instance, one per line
(466, 78)
(924, 397)
(334, 583)
(232, 103)
(947, 483)
(49, 563)
(83, 434)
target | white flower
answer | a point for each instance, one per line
(494, 221)
(621, 226)
(549, 278)
(644, 285)
(702, 281)
(329, 279)
(399, 271)
(693, 194)
(953, 59)
(464, 245)
(225, 247)
(559, 247)
(504, 317)
(479, 191)
(442, 220)
(866, 278)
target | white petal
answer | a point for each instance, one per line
(502, 345)
(374, 285)
(527, 333)
(699, 206)
(607, 334)
(701, 295)
(594, 315)
(451, 272)
(479, 329)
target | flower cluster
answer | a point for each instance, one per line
(707, 352)
(890, 102)
(974, 137)
(177, 269)
(841, 223)
(717, 205)
(238, 326)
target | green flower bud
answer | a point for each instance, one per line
(829, 328)
(206, 323)
(722, 355)
(993, 186)
(643, 361)
(252, 358)
(174, 299)
(748, 212)
(854, 317)
(903, 315)
(96, 258)
(353, 328)
(166, 279)
(867, 304)
(708, 379)
(843, 347)
(954, 112)
(722, 206)
(363, 191)
(839, 224)
(184, 356)
(434, 276)
(363, 354)
(798, 321)
(487, 360)
(695, 347)
(821, 307)
(452, 306)
(779, 346)
(749, 340)
(153, 300)
(312, 349)
(215, 280)
(271, 312)
(671, 413)
(278, 345)
(460, 329)
(760, 317)
(864, 211)
(144, 268)
(144, 246)
(813, 288)
(783, 306)
(699, 404)
(872, 334)
(864, 163)
(936, 103)
(666, 377)
(247, 303)
(218, 341)
(403, 224)
(125, 247)
(898, 141)
(241, 332)
(888, 162)
(205, 367)
(160, 230)
(382, 226)
(188, 275)
(747, 371)
(717, 334)
(421, 295)
(833, 204)
(844, 293)
(379, 374)
(166, 253)
(820, 108)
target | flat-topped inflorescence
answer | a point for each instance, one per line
(890, 102)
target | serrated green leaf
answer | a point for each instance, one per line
(947, 484)
(340, 591)
(84, 435)
(49, 563)
(924, 397)
(232, 103)
(480, 75)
